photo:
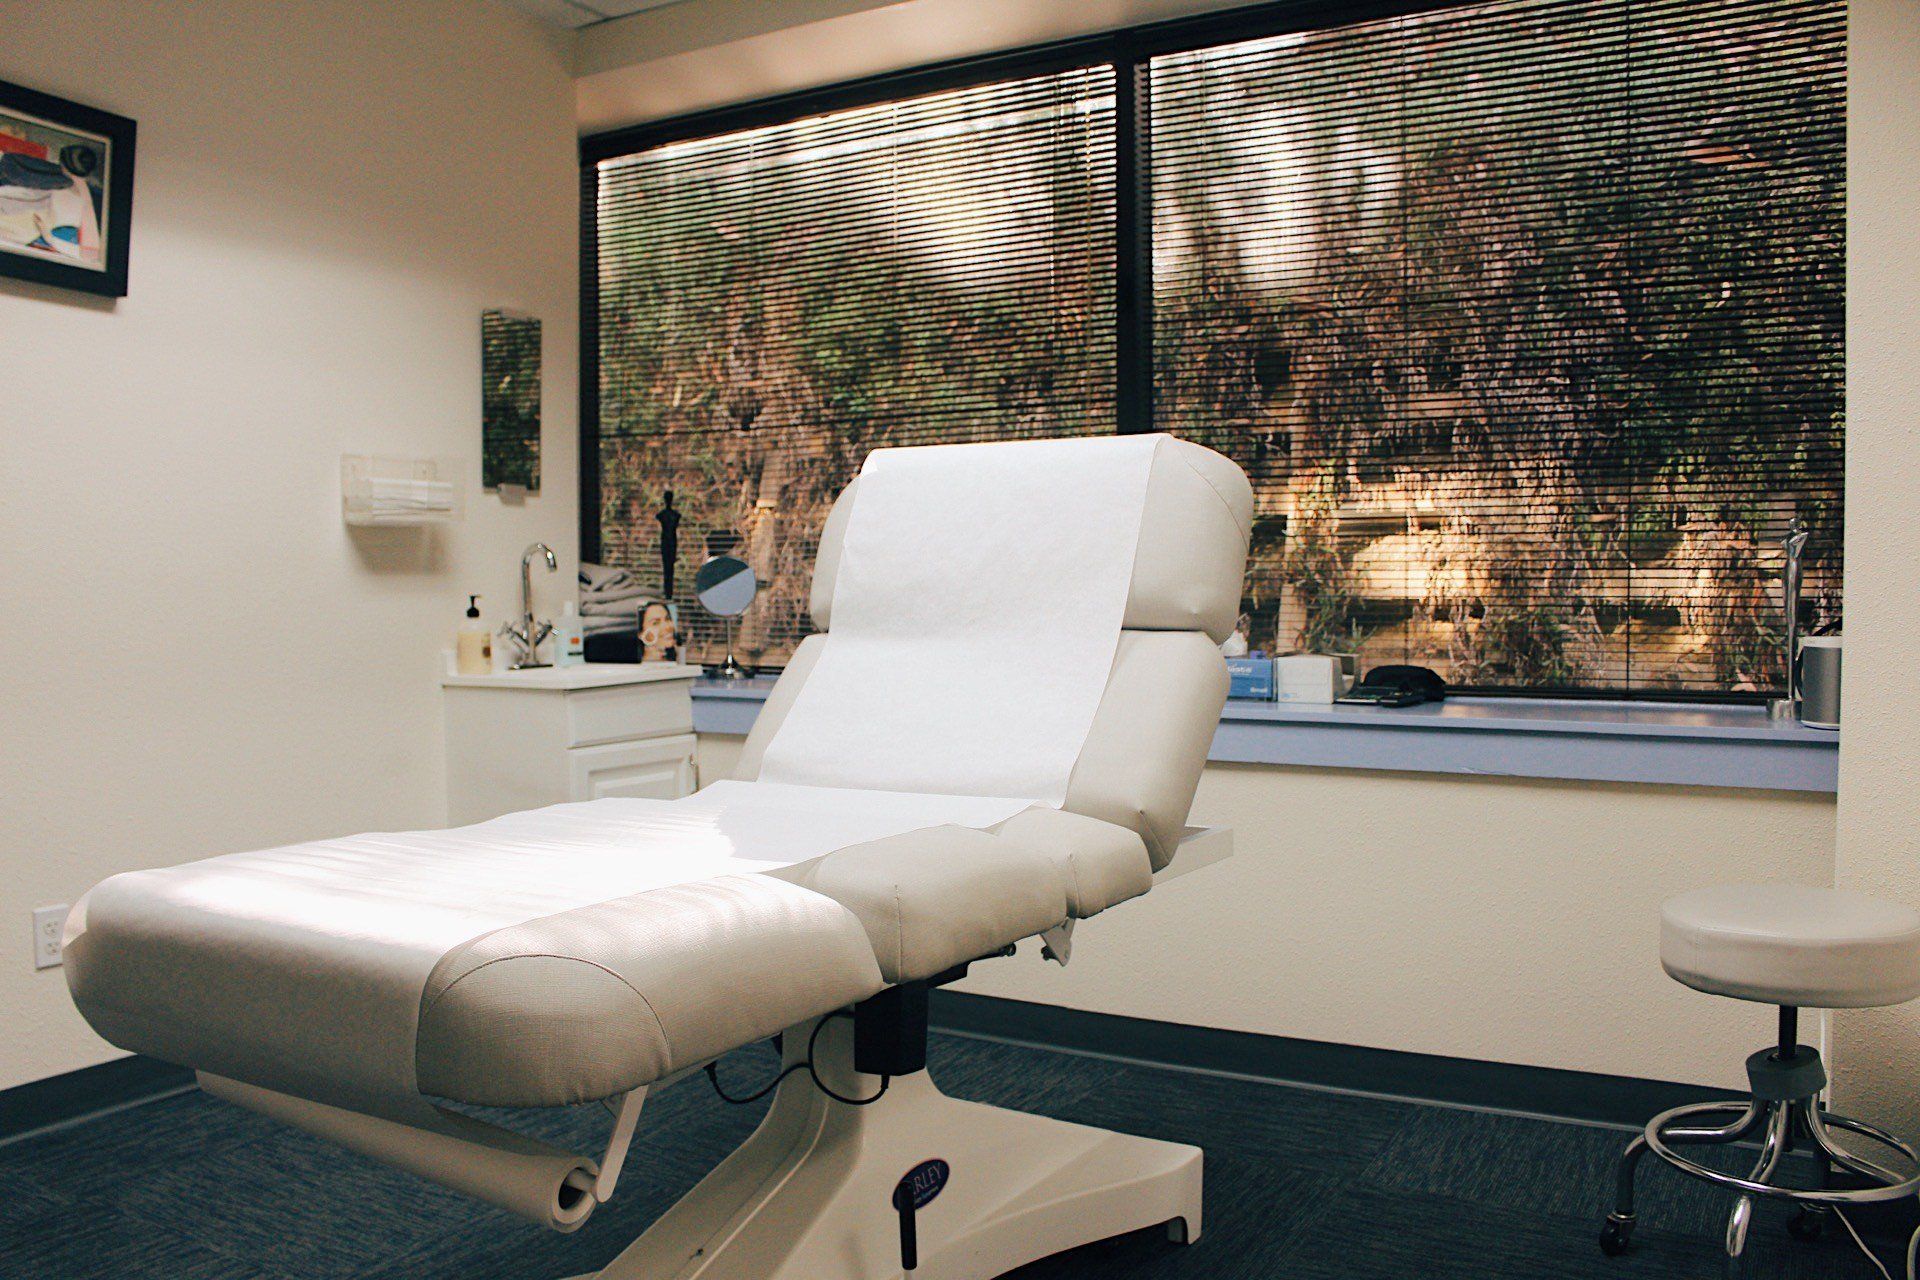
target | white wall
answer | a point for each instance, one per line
(1878, 1052)
(200, 657)
(1483, 918)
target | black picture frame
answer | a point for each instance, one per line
(112, 192)
(509, 400)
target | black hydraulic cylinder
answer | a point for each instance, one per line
(890, 1031)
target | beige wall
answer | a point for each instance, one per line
(1474, 917)
(200, 657)
(1878, 1053)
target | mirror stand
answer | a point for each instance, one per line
(731, 668)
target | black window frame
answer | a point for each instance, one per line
(1129, 52)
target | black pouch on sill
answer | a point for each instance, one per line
(1397, 686)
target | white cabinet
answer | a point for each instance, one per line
(651, 769)
(523, 739)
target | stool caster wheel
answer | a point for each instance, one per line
(1616, 1235)
(1808, 1225)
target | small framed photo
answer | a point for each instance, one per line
(66, 192)
(509, 401)
(659, 631)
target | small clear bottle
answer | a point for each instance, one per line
(569, 638)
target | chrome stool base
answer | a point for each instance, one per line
(1785, 1109)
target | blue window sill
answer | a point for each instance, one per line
(1666, 743)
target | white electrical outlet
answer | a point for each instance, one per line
(48, 924)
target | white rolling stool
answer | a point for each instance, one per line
(1795, 947)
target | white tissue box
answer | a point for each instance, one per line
(1307, 677)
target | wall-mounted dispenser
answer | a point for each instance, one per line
(396, 491)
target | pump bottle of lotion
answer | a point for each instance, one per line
(473, 652)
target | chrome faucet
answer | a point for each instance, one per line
(528, 635)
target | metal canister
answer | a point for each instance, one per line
(1820, 682)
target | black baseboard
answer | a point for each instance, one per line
(88, 1091)
(1498, 1086)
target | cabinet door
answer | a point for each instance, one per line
(652, 769)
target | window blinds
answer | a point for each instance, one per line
(1527, 318)
(775, 302)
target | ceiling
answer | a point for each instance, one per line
(582, 13)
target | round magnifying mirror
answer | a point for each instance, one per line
(725, 586)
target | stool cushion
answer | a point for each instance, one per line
(1792, 944)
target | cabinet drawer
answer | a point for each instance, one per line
(651, 769)
(623, 711)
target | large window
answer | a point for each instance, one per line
(1526, 318)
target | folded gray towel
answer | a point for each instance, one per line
(619, 595)
(591, 607)
(603, 577)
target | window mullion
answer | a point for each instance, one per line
(1133, 247)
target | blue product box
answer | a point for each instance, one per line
(1250, 678)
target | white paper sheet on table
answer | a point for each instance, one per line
(431, 890)
(976, 613)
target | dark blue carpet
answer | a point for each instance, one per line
(1301, 1185)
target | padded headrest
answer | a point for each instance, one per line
(1193, 545)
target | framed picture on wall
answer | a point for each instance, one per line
(66, 192)
(509, 401)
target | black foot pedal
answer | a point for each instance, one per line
(903, 1204)
(911, 1194)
